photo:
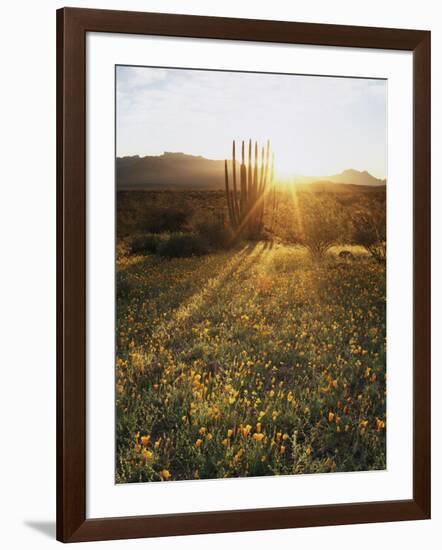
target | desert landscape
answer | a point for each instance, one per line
(250, 357)
(250, 275)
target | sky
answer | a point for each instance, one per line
(317, 125)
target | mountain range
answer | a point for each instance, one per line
(182, 171)
(349, 176)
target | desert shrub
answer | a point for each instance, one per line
(216, 234)
(167, 219)
(183, 245)
(369, 228)
(320, 223)
(146, 244)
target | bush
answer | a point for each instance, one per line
(145, 244)
(216, 234)
(320, 223)
(167, 219)
(183, 245)
(369, 229)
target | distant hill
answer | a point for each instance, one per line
(181, 171)
(350, 176)
(170, 171)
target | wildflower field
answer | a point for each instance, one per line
(253, 361)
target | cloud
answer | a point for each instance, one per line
(341, 120)
(131, 79)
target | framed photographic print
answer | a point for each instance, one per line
(243, 274)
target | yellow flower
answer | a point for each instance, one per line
(282, 450)
(290, 397)
(225, 442)
(148, 455)
(258, 436)
(285, 437)
(258, 427)
(278, 437)
(145, 440)
(229, 433)
(198, 443)
(331, 416)
(165, 474)
(157, 444)
(202, 431)
(209, 437)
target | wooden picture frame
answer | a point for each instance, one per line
(72, 26)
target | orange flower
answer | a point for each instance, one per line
(247, 430)
(238, 455)
(380, 424)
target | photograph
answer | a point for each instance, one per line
(250, 274)
(218, 258)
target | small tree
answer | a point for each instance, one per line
(320, 222)
(370, 230)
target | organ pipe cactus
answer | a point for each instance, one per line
(246, 204)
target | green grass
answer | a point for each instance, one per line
(256, 361)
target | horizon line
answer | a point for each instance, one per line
(177, 153)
